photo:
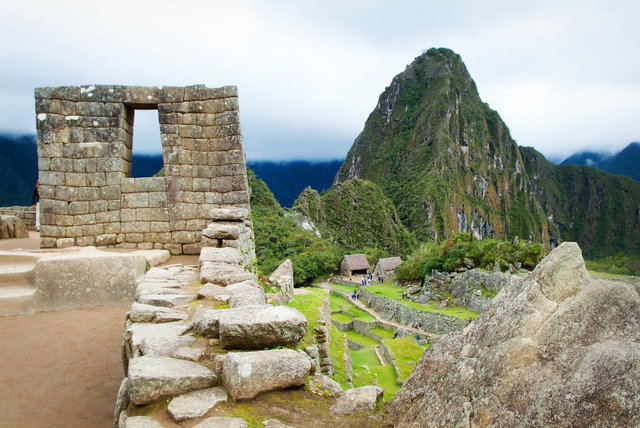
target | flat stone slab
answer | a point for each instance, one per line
(206, 322)
(213, 291)
(222, 422)
(141, 422)
(247, 374)
(261, 327)
(358, 400)
(222, 231)
(229, 214)
(196, 403)
(223, 273)
(166, 300)
(137, 333)
(164, 346)
(227, 255)
(158, 273)
(153, 377)
(141, 312)
(187, 353)
(246, 293)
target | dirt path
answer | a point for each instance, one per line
(61, 369)
(376, 315)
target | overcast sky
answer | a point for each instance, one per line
(564, 75)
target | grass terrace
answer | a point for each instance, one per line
(407, 352)
(385, 333)
(309, 304)
(341, 303)
(366, 366)
(360, 338)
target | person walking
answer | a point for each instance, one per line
(35, 201)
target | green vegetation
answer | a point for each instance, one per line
(341, 303)
(367, 366)
(360, 338)
(309, 304)
(356, 215)
(341, 318)
(407, 352)
(336, 349)
(620, 264)
(451, 254)
(385, 333)
(278, 237)
(395, 293)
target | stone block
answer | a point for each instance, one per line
(229, 214)
(213, 133)
(111, 228)
(127, 185)
(235, 198)
(61, 164)
(52, 178)
(61, 220)
(85, 219)
(201, 185)
(105, 239)
(96, 179)
(192, 248)
(98, 206)
(157, 200)
(77, 208)
(229, 256)
(189, 119)
(184, 237)
(65, 242)
(248, 374)
(153, 377)
(85, 241)
(222, 231)
(196, 403)
(261, 327)
(127, 215)
(227, 118)
(133, 237)
(135, 200)
(135, 227)
(170, 118)
(358, 400)
(159, 226)
(149, 184)
(182, 211)
(193, 197)
(152, 214)
(92, 229)
(189, 131)
(223, 273)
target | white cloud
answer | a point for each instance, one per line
(563, 74)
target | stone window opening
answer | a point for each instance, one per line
(146, 146)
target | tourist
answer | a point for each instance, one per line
(35, 200)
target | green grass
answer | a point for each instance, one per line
(488, 293)
(341, 317)
(360, 338)
(394, 293)
(385, 333)
(309, 304)
(336, 349)
(407, 352)
(344, 288)
(607, 275)
(341, 303)
(386, 374)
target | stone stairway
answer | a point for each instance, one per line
(178, 343)
(17, 284)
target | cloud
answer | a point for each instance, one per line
(562, 74)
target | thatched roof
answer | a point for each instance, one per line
(355, 262)
(389, 263)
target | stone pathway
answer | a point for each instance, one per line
(325, 284)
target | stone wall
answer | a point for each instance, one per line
(26, 214)
(87, 195)
(431, 321)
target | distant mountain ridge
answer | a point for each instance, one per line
(625, 162)
(448, 163)
(286, 179)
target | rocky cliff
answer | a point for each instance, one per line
(555, 348)
(449, 164)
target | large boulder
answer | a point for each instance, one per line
(555, 348)
(282, 278)
(247, 374)
(259, 327)
(358, 400)
(153, 377)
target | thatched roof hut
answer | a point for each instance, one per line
(386, 267)
(354, 264)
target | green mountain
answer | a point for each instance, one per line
(449, 164)
(625, 162)
(355, 215)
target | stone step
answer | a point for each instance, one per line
(227, 255)
(229, 214)
(17, 300)
(16, 269)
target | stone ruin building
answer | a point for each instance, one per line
(87, 194)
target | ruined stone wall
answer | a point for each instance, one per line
(87, 195)
(26, 214)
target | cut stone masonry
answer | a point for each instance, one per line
(87, 195)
